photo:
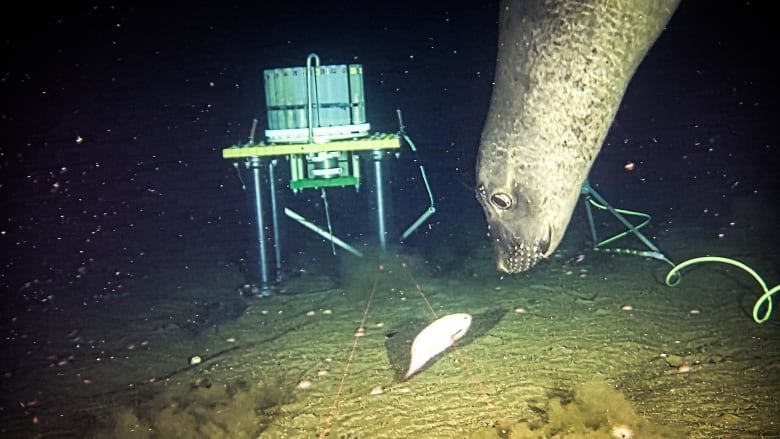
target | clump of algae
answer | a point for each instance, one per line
(204, 410)
(592, 412)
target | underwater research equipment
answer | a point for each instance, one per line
(763, 306)
(317, 123)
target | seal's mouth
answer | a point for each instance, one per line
(516, 255)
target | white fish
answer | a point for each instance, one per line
(435, 338)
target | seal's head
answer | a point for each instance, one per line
(521, 237)
(562, 68)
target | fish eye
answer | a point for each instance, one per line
(501, 200)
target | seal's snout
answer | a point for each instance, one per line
(520, 237)
(515, 254)
(522, 256)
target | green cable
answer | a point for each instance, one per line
(674, 277)
(765, 298)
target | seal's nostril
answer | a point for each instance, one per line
(544, 245)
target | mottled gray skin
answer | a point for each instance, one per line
(562, 69)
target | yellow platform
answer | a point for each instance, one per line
(378, 141)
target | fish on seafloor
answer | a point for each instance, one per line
(436, 338)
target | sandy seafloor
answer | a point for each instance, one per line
(123, 228)
(572, 363)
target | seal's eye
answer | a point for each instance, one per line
(501, 201)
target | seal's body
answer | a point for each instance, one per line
(562, 69)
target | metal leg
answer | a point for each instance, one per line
(380, 200)
(275, 219)
(265, 286)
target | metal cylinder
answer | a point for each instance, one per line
(357, 100)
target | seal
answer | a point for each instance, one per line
(562, 69)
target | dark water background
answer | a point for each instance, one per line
(157, 92)
(113, 119)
